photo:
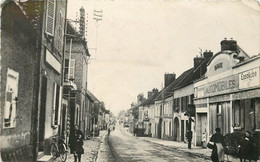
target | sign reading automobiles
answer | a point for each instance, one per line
(249, 78)
(221, 86)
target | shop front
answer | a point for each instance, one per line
(229, 100)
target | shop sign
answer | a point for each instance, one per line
(225, 85)
(249, 78)
(245, 95)
(52, 61)
(199, 92)
(222, 86)
(220, 65)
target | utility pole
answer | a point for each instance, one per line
(97, 16)
(190, 113)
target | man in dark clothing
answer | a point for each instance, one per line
(76, 143)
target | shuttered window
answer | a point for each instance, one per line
(60, 32)
(56, 104)
(50, 17)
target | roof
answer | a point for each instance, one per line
(193, 75)
(91, 96)
(31, 10)
(168, 91)
(186, 78)
(150, 100)
(72, 31)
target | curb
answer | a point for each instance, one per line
(98, 152)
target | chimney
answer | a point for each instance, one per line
(82, 22)
(151, 93)
(207, 54)
(197, 61)
(169, 78)
(140, 98)
(228, 45)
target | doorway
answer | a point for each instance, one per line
(42, 112)
(176, 129)
(201, 129)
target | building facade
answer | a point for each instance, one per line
(19, 56)
(228, 96)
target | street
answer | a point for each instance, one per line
(120, 146)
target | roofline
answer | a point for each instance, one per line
(247, 61)
(228, 52)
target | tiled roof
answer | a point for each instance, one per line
(91, 96)
(194, 74)
(186, 78)
(150, 100)
(167, 91)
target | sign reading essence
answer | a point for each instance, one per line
(249, 78)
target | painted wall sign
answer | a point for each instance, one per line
(51, 60)
(222, 86)
(249, 78)
(219, 65)
(245, 95)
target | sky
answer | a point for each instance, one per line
(138, 41)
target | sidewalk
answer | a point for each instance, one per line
(181, 146)
(91, 148)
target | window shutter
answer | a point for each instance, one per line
(54, 103)
(50, 17)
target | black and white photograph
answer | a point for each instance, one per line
(130, 81)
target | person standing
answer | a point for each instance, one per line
(76, 144)
(217, 154)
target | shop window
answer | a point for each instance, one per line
(257, 113)
(251, 114)
(219, 109)
(11, 98)
(236, 114)
(56, 104)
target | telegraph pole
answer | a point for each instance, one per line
(97, 16)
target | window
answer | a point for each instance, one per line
(219, 107)
(236, 114)
(170, 128)
(66, 70)
(56, 104)
(71, 69)
(50, 17)
(60, 33)
(10, 99)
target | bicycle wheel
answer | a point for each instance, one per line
(63, 152)
(54, 150)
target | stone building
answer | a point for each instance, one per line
(32, 71)
(19, 57)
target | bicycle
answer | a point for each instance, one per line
(59, 148)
